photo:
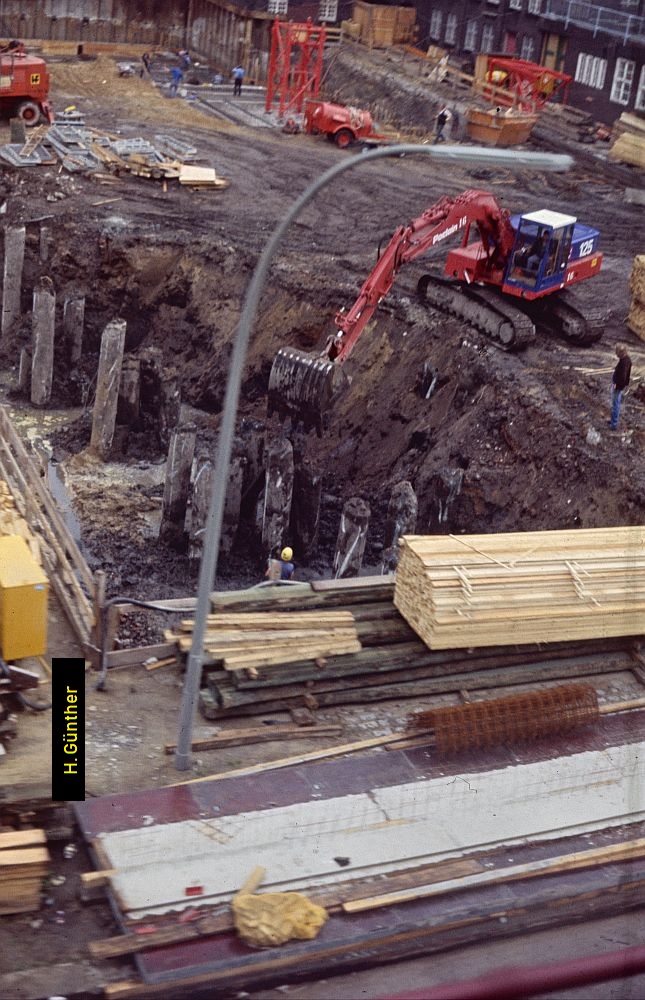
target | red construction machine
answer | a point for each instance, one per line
(508, 273)
(342, 125)
(519, 83)
(24, 85)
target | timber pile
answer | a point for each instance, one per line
(246, 642)
(24, 863)
(393, 662)
(484, 590)
(636, 317)
(629, 144)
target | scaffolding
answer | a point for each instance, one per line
(295, 65)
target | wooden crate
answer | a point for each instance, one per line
(382, 26)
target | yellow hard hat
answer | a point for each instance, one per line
(286, 553)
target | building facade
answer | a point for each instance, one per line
(601, 46)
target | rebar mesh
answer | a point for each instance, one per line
(515, 719)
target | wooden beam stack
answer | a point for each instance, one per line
(393, 662)
(24, 863)
(543, 586)
(249, 641)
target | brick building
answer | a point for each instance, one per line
(601, 47)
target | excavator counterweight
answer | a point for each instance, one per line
(506, 274)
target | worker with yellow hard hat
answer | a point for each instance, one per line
(282, 568)
(287, 567)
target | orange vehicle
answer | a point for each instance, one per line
(340, 123)
(24, 85)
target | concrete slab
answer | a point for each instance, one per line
(390, 828)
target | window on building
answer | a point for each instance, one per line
(591, 71)
(488, 38)
(470, 40)
(640, 93)
(515, 4)
(527, 49)
(621, 88)
(328, 10)
(436, 20)
(451, 29)
(277, 6)
(534, 6)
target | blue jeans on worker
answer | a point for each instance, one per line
(616, 402)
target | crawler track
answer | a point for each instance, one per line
(511, 327)
(507, 326)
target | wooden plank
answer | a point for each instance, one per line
(133, 657)
(24, 857)
(97, 879)
(267, 734)
(374, 741)
(570, 862)
(331, 897)
(22, 838)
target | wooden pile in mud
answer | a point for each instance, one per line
(392, 663)
(24, 863)
(498, 589)
(636, 318)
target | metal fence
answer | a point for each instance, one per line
(598, 20)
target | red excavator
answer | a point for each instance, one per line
(508, 273)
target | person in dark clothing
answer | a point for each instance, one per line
(619, 383)
(145, 67)
(238, 75)
(443, 118)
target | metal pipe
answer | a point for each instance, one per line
(212, 535)
(530, 981)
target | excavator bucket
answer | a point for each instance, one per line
(302, 386)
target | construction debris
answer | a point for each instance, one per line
(89, 150)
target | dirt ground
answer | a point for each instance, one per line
(176, 265)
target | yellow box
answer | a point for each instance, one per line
(23, 601)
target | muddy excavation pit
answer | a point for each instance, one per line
(502, 443)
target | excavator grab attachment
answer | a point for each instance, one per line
(302, 387)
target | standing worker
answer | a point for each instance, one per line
(443, 118)
(619, 383)
(176, 76)
(145, 65)
(238, 76)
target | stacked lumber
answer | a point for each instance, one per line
(629, 144)
(246, 642)
(200, 177)
(24, 863)
(498, 589)
(636, 317)
(12, 523)
(392, 662)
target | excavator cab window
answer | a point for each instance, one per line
(559, 250)
(532, 247)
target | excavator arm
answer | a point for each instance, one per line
(301, 385)
(446, 218)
